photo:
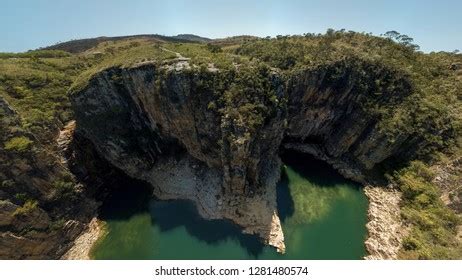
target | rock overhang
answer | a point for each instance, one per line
(234, 132)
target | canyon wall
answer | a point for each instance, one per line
(219, 134)
(335, 113)
(138, 115)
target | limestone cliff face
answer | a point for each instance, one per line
(138, 115)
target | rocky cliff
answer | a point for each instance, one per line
(42, 207)
(335, 113)
(171, 127)
(213, 136)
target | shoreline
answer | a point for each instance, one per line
(384, 225)
(82, 246)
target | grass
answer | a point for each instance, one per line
(35, 54)
(37, 89)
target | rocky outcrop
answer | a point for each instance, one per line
(448, 178)
(83, 244)
(213, 137)
(42, 208)
(385, 227)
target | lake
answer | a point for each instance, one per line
(323, 216)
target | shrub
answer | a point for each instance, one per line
(64, 190)
(21, 197)
(19, 144)
(432, 225)
(58, 224)
(214, 48)
(28, 207)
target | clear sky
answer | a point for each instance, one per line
(28, 24)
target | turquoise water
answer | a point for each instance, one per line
(323, 217)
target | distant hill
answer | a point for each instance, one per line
(81, 45)
(192, 38)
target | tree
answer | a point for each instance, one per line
(401, 39)
(391, 34)
(330, 32)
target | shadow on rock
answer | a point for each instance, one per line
(285, 202)
(319, 172)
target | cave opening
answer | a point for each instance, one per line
(310, 165)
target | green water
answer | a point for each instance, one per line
(323, 217)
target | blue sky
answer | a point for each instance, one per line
(28, 24)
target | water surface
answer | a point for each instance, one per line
(323, 217)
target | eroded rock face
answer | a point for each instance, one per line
(331, 115)
(169, 126)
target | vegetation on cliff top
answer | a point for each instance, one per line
(36, 87)
(431, 111)
(250, 99)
